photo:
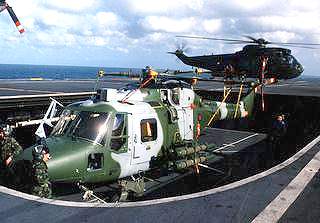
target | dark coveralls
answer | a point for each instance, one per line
(278, 130)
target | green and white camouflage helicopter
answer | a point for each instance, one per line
(125, 132)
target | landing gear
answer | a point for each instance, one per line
(134, 187)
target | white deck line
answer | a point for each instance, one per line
(170, 199)
(28, 90)
(274, 211)
(46, 95)
(234, 143)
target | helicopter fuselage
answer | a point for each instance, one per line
(107, 139)
(247, 62)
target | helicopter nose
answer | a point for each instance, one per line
(299, 67)
(68, 159)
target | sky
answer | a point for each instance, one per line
(137, 33)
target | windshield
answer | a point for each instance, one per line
(83, 124)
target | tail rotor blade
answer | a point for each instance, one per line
(15, 19)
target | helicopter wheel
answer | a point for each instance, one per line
(114, 197)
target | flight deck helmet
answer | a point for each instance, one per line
(38, 152)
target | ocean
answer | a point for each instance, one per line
(21, 71)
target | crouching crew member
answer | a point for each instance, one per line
(41, 184)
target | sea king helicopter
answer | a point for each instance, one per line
(4, 6)
(120, 136)
(281, 63)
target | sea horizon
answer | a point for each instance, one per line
(27, 71)
(65, 72)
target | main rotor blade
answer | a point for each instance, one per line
(299, 44)
(15, 19)
(252, 38)
(211, 38)
(240, 42)
(295, 46)
(2, 8)
(3, 5)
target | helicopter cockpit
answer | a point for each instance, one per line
(93, 127)
(293, 67)
(87, 125)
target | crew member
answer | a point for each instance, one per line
(278, 130)
(41, 184)
(9, 150)
(148, 77)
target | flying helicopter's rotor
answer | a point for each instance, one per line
(252, 40)
(297, 46)
(262, 41)
(259, 41)
(3, 6)
(211, 38)
(182, 47)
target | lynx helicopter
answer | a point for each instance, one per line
(281, 64)
(124, 132)
(4, 6)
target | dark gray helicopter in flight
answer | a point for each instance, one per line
(280, 63)
(4, 6)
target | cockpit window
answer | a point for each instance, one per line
(64, 122)
(118, 125)
(290, 59)
(84, 124)
(287, 59)
(119, 133)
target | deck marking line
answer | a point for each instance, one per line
(274, 211)
(27, 90)
(46, 95)
(236, 142)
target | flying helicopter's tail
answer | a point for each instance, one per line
(181, 56)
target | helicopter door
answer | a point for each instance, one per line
(181, 99)
(188, 125)
(145, 139)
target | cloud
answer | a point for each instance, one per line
(212, 25)
(177, 7)
(72, 5)
(294, 22)
(140, 27)
(167, 24)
